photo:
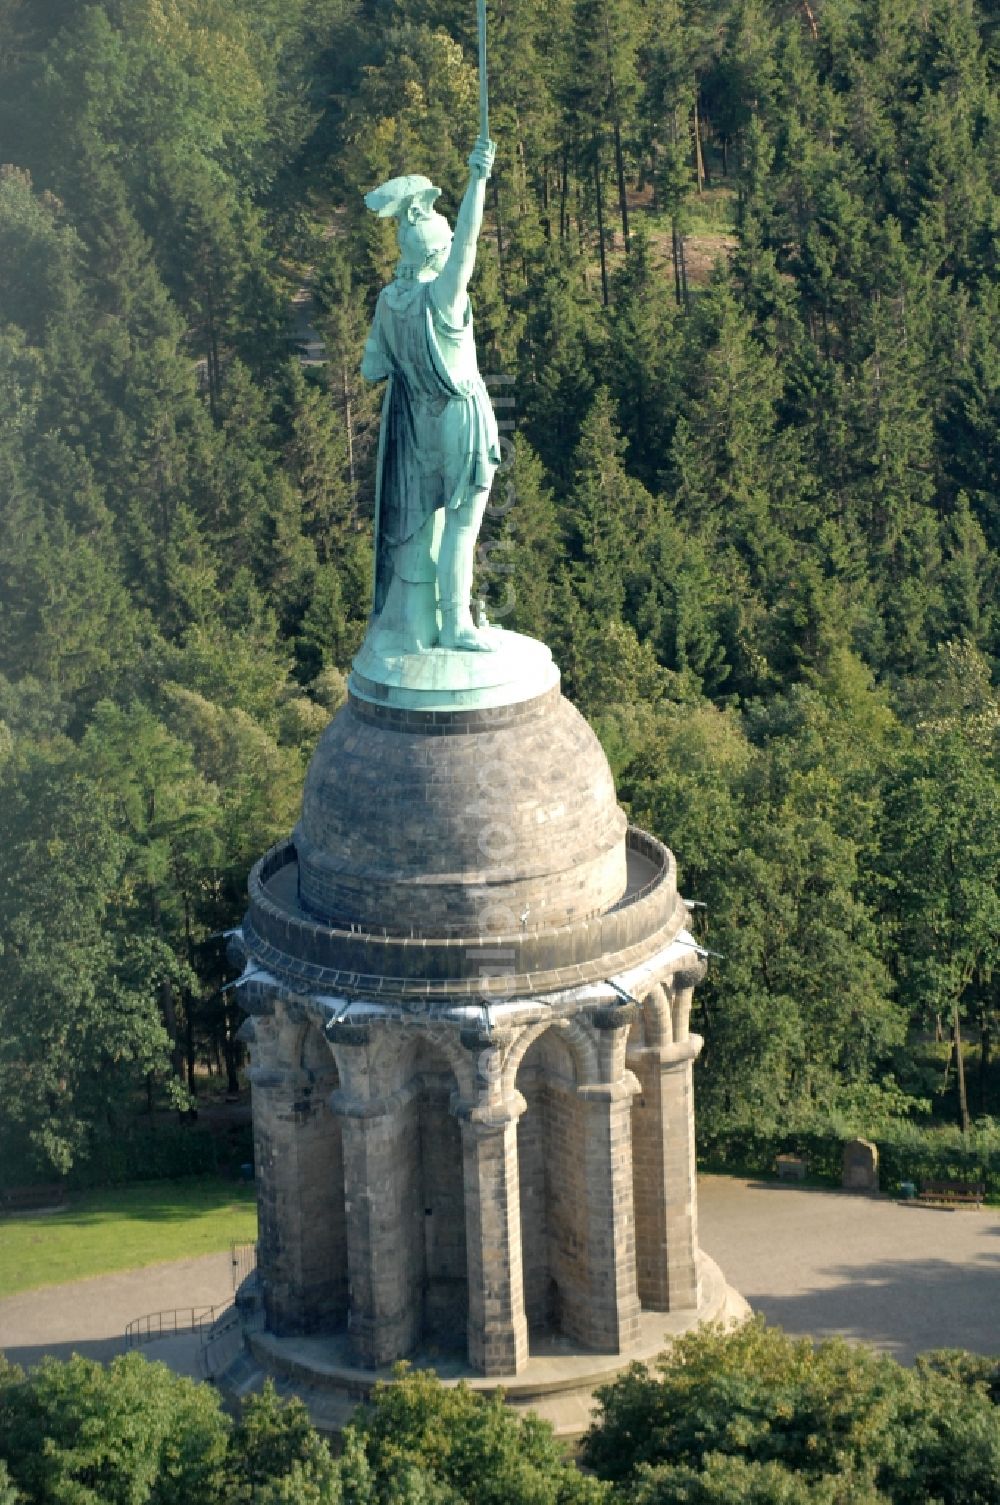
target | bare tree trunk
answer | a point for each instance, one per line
(563, 193)
(169, 1011)
(349, 426)
(190, 1051)
(214, 364)
(168, 1007)
(963, 1101)
(231, 1050)
(675, 251)
(622, 198)
(599, 191)
(521, 177)
(699, 161)
(984, 1061)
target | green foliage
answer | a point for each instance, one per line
(135, 1433)
(463, 1447)
(908, 1151)
(8, 1494)
(747, 1416)
(940, 857)
(722, 1480)
(752, 1415)
(275, 1454)
(74, 1000)
(125, 1435)
(165, 1153)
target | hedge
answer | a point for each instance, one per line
(907, 1152)
(166, 1152)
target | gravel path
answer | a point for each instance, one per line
(90, 1316)
(816, 1262)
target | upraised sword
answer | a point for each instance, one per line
(484, 87)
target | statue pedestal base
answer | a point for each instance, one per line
(557, 1383)
(452, 679)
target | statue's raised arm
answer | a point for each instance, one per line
(451, 286)
(439, 444)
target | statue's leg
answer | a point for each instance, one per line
(455, 565)
(407, 622)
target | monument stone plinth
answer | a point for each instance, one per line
(469, 984)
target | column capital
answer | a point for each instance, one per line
(686, 976)
(292, 1077)
(491, 1118)
(614, 1016)
(346, 1105)
(621, 1091)
(669, 1055)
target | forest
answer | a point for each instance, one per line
(739, 295)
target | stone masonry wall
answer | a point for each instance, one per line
(553, 1191)
(567, 1194)
(531, 1147)
(302, 1251)
(427, 1189)
(446, 1287)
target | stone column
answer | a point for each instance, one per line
(384, 1312)
(665, 1179)
(498, 1329)
(300, 1198)
(607, 1318)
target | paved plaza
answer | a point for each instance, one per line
(90, 1316)
(818, 1263)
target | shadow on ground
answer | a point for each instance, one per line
(103, 1349)
(881, 1301)
(181, 1352)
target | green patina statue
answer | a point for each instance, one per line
(439, 445)
(439, 449)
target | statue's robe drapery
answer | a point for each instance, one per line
(439, 441)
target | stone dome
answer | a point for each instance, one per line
(460, 822)
(462, 853)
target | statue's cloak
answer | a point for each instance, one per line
(438, 441)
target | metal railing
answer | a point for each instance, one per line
(244, 1259)
(222, 1339)
(222, 1342)
(285, 853)
(168, 1324)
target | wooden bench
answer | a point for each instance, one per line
(791, 1167)
(952, 1193)
(25, 1198)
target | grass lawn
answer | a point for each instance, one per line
(123, 1227)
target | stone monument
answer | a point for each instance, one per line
(860, 1166)
(468, 980)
